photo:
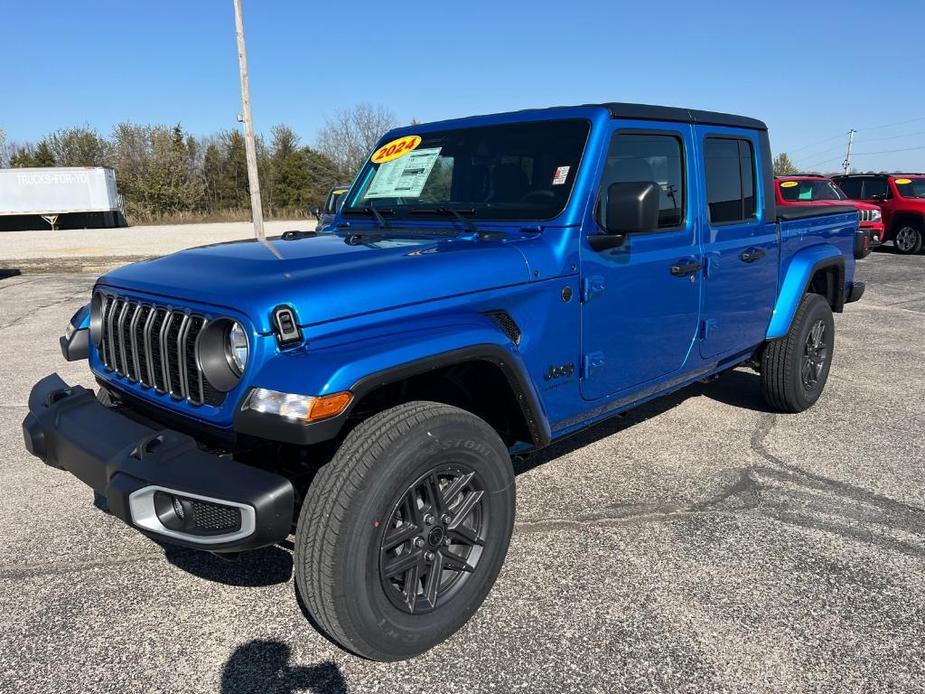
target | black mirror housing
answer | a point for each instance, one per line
(632, 207)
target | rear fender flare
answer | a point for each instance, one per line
(796, 279)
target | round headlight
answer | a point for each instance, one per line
(236, 348)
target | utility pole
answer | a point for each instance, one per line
(249, 144)
(847, 162)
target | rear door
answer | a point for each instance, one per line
(639, 320)
(740, 246)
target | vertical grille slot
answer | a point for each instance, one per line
(106, 344)
(194, 380)
(118, 349)
(156, 347)
(170, 347)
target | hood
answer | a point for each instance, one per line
(857, 204)
(326, 277)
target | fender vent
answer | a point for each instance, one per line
(507, 325)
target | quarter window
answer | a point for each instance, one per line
(639, 157)
(875, 186)
(730, 173)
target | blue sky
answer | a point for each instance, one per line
(811, 70)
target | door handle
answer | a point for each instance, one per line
(685, 267)
(750, 255)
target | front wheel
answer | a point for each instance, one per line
(908, 239)
(794, 368)
(403, 532)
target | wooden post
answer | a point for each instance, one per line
(249, 144)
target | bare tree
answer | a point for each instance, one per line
(348, 137)
(4, 153)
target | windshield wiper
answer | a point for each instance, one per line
(377, 213)
(452, 212)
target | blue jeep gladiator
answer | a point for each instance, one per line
(492, 284)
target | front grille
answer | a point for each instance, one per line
(868, 215)
(156, 347)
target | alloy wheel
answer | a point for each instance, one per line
(906, 239)
(815, 354)
(434, 538)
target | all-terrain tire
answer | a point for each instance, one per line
(378, 487)
(795, 367)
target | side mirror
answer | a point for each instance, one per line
(631, 208)
(316, 212)
(879, 197)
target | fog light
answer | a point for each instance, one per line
(295, 407)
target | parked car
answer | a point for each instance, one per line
(901, 198)
(811, 189)
(505, 281)
(332, 203)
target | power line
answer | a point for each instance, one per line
(868, 127)
(895, 137)
(888, 151)
(892, 125)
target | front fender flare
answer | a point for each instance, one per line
(796, 278)
(363, 365)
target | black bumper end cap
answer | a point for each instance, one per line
(77, 348)
(855, 292)
(34, 437)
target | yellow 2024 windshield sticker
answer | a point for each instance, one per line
(903, 181)
(789, 184)
(395, 149)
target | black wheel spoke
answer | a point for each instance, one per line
(453, 489)
(402, 564)
(436, 496)
(456, 563)
(463, 534)
(399, 535)
(464, 508)
(432, 582)
(411, 584)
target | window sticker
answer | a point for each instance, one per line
(339, 192)
(789, 184)
(806, 194)
(903, 181)
(404, 177)
(561, 175)
(395, 149)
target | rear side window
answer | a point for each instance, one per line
(730, 173)
(851, 187)
(875, 186)
(641, 157)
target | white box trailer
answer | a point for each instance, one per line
(85, 195)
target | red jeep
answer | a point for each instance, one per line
(809, 189)
(901, 197)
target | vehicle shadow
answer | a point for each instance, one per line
(264, 666)
(262, 567)
(6, 272)
(737, 388)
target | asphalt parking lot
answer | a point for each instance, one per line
(701, 543)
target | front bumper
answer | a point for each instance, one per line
(158, 481)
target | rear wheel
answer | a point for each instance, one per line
(794, 368)
(908, 239)
(404, 531)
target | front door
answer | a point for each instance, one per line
(641, 300)
(740, 246)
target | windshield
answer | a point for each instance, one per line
(910, 187)
(809, 190)
(514, 171)
(334, 200)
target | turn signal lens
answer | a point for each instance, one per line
(328, 406)
(295, 407)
